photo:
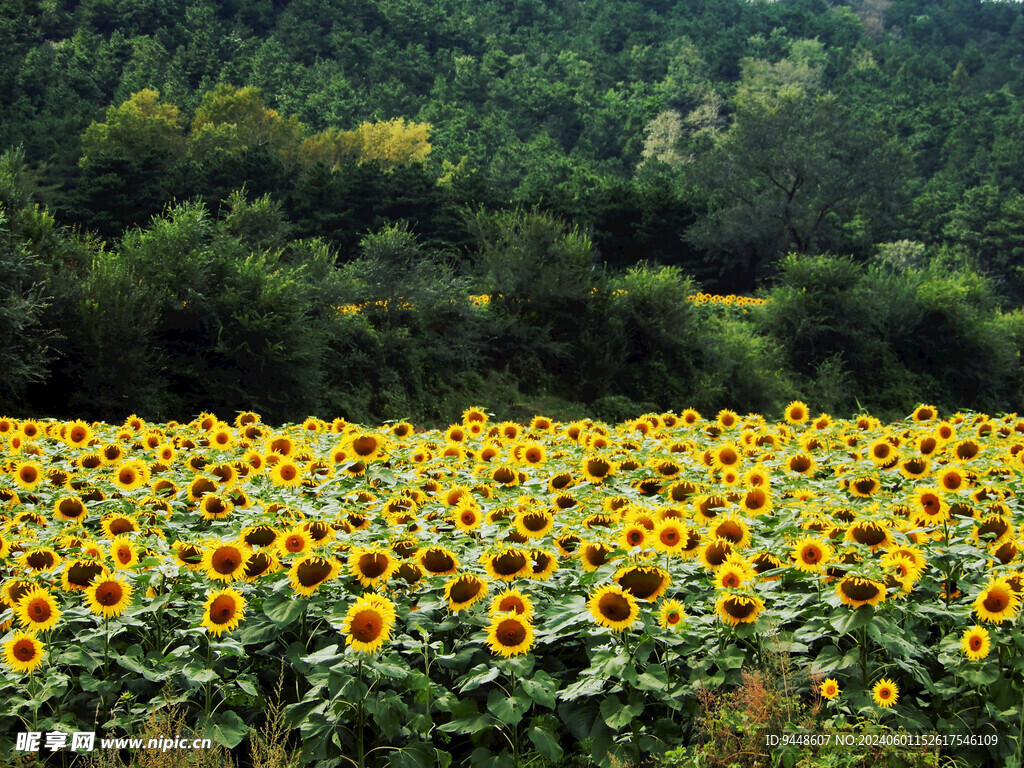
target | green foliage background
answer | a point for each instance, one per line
(170, 241)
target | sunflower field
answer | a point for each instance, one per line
(504, 594)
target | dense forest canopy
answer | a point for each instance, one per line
(168, 160)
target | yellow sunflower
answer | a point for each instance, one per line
(997, 602)
(885, 693)
(734, 609)
(286, 473)
(643, 582)
(23, 652)
(855, 591)
(512, 601)
(796, 413)
(671, 615)
(368, 623)
(307, 574)
(28, 474)
(225, 561)
(509, 634)
(976, 643)
(108, 596)
(613, 607)
(463, 591)
(371, 566)
(123, 553)
(829, 688)
(223, 610)
(37, 610)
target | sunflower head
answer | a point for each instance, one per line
(464, 591)
(223, 611)
(671, 615)
(829, 688)
(643, 582)
(509, 634)
(108, 596)
(885, 693)
(976, 643)
(613, 607)
(24, 652)
(307, 574)
(512, 601)
(368, 623)
(734, 608)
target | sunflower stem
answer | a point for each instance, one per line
(208, 686)
(360, 748)
(864, 655)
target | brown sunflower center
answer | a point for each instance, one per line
(367, 626)
(614, 607)
(109, 593)
(511, 633)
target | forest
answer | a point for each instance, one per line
(393, 209)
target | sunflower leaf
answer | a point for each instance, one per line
(546, 743)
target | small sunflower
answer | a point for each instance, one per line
(123, 553)
(225, 561)
(643, 582)
(368, 623)
(885, 693)
(976, 643)
(613, 607)
(223, 610)
(734, 609)
(512, 601)
(37, 610)
(24, 652)
(829, 688)
(463, 591)
(371, 566)
(509, 634)
(108, 596)
(307, 574)
(997, 602)
(855, 591)
(671, 615)
(28, 474)
(286, 474)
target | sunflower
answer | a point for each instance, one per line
(671, 536)
(37, 610)
(23, 652)
(885, 693)
(643, 582)
(632, 535)
(108, 596)
(69, 508)
(507, 564)
(371, 566)
(367, 447)
(976, 643)
(293, 542)
(545, 563)
(79, 573)
(869, 533)
(461, 592)
(28, 474)
(732, 529)
(123, 552)
(368, 623)
(310, 572)
(997, 602)
(671, 615)
(437, 561)
(39, 559)
(733, 574)
(863, 487)
(715, 553)
(223, 610)
(509, 634)
(534, 523)
(796, 413)
(130, 475)
(226, 561)
(286, 474)
(829, 688)
(613, 607)
(596, 469)
(78, 434)
(855, 591)
(735, 609)
(801, 464)
(512, 601)
(929, 508)
(260, 563)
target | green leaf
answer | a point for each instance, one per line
(285, 611)
(617, 715)
(508, 709)
(468, 725)
(654, 678)
(541, 688)
(546, 743)
(225, 728)
(854, 619)
(479, 675)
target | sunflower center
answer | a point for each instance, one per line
(373, 565)
(614, 607)
(975, 643)
(226, 561)
(109, 594)
(465, 590)
(223, 609)
(509, 563)
(511, 633)
(25, 650)
(366, 626)
(997, 601)
(738, 608)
